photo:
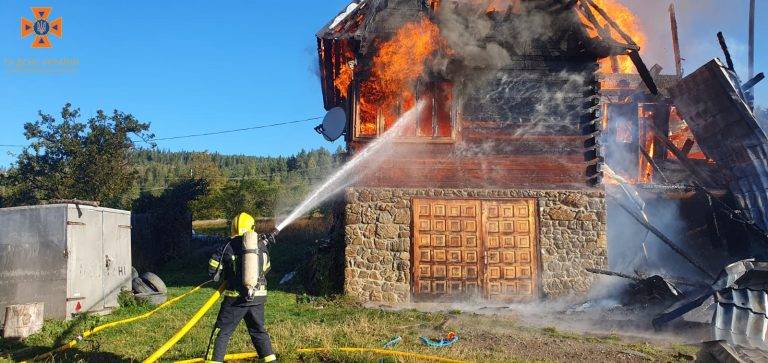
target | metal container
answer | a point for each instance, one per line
(73, 258)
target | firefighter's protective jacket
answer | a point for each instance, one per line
(227, 263)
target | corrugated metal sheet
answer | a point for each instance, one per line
(740, 317)
(726, 130)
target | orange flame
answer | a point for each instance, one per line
(627, 21)
(396, 67)
(345, 73)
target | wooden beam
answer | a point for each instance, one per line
(612, 23)
(747, 87)
(686, 149)
(676, 42)
(751, 61)
(645, 74)
(726, 52)
(650, 160)
(703, 178)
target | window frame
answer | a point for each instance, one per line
(453, 114)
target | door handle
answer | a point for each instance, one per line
(107, 261)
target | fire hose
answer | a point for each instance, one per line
(87, 333)
(395, 353)
(237, 356)
(185, 329)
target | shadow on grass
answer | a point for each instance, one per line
(90, 354)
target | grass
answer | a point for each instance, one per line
(296, 320)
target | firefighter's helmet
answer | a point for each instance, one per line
(242, 223)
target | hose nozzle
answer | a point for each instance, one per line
(270, 237)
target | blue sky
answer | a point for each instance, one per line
(197, 66)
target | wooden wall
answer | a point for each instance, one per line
(529, 127)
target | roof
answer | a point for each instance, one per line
(363, 22)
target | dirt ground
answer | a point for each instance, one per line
(567, 332)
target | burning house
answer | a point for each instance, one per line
(493, 188)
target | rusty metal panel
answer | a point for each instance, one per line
(116, 237)
(727, 132)
(446, 248)
(32, 258)
(509, 236)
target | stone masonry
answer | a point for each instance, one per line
(572, 236)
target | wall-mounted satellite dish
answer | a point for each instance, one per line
(334, 124)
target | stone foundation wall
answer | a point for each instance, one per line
(572, 236)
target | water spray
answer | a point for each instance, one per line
(343, 177)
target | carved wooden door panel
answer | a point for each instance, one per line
(509, 235)
(446, 248)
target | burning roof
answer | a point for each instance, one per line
(405, 33)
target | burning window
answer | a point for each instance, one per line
(376, 115)
(394, 80)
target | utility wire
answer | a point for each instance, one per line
(212, 132)
(236, 130)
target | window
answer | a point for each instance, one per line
(376, 113)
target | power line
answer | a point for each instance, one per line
(236, 130)
(8, 145)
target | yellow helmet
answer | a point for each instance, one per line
(242, 223)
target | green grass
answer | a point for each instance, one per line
(300, 321)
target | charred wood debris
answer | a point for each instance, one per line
(728, 188)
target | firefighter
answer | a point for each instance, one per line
(238, 303)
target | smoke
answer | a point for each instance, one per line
(466, 29)
(480, 42)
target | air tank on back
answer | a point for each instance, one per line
(251, 269)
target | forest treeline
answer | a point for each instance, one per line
(261, 185)
(99, 159)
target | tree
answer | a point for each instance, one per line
(69, 159)
(202, 167)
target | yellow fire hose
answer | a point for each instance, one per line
(424, 357)
(191, 323)
(99, 328)
(236, 356)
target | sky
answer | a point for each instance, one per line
(200, 66)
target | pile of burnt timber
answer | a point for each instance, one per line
(726, 183)
(650, 291)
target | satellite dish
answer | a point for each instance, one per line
(334, 124)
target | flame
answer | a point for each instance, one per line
(344, 72)
(628, 22)
(396, 67)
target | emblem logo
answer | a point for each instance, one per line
(41, 27)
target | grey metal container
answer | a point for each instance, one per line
(73, 258)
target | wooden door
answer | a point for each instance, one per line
(509, 235)
(446, 248)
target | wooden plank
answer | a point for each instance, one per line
(751, 53)
(675, 42)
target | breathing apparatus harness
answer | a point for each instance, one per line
(253, 275)
(258, 254)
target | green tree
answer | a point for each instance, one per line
(208, 205)
(69, 159)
